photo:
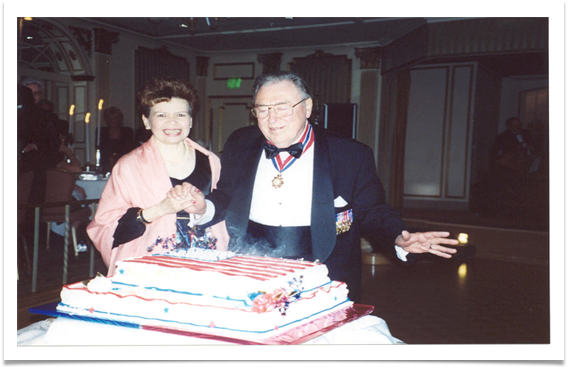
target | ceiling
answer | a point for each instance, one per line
(236, 34)
(210, 35)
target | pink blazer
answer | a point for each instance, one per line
(140, 179)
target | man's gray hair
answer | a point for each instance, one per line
(277, 77)
(34, 81)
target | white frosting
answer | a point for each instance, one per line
(199, 254)
(209, 299)
(100, 284)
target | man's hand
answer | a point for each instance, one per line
(427, 242)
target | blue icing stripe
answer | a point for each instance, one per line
(245, 302)
(151, 288)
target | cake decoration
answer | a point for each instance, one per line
(168, 243)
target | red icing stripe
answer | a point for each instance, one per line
(260, 268)
(71, 287)
(85, 289)
(263, 261)
(271, 263)
(202, 267)
(238, 263)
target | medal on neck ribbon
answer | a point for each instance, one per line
(280, 166)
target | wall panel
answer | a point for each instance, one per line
(425, 132)
(438, 136)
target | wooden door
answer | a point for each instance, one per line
(227, 114)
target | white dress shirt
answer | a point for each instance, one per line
(289, 205)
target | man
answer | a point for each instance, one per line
(506, 186)
(313, 205)
(38, 139)
(36, 87)
(42, 132)
(512, 148)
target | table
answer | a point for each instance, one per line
(93, 188)
(63, 331)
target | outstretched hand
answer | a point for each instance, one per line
(427, 242)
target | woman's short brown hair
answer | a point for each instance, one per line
(159, 90)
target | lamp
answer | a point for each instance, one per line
(462, 238)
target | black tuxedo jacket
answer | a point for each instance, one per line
(342, 168)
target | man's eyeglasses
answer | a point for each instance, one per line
(282, 110)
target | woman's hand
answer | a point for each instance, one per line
(181, 197)
(167, 206)
(190, 194)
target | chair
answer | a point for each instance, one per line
(25, 181)
(59, 189)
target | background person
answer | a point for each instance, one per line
(38, 140)
(116, 140)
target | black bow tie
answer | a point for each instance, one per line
(295, 150)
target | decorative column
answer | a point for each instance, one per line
(201, 131)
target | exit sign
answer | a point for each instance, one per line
(234, 83)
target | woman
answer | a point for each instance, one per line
(116, 140)
(137, 214)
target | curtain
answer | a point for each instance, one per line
(328, 77)
(399, 139)
(158, 63)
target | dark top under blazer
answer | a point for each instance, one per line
(342, 167)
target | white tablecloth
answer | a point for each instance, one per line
(68, 332)
(93, 188)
